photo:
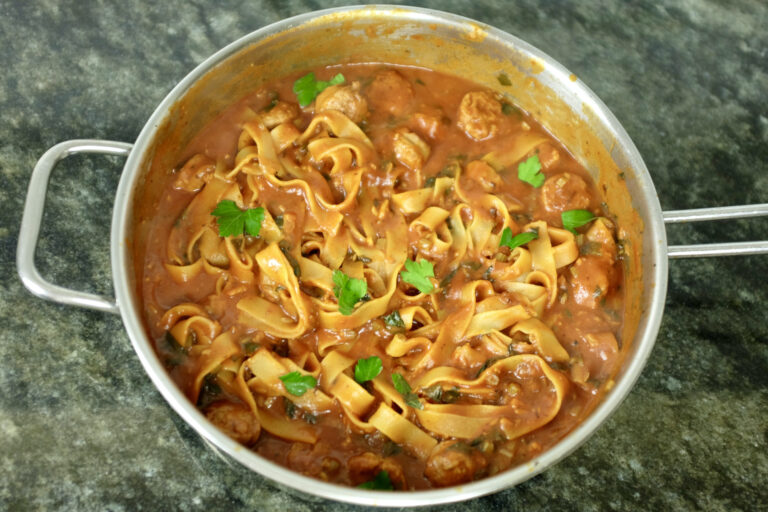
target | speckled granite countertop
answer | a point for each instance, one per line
(82, 427)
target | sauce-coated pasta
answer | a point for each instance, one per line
(378, 288)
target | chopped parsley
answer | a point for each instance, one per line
(250, 347)
(487, 364)
(291, 260)
(504, 79)
(530, 171)
(508, 109)
(448, 277)
(418, 275)
(367, 369)
(381, 482)
(436, 393)
(348, 291)
(402, 387)
(290, 408)
(308, 87)
(394, 320)
(519, 239)
(297, 384)
(233, 221)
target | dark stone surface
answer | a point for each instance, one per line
(82, 427)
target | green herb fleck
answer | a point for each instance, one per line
(297, 384)
(348, 290)
(367, 369)
(486, 365)
(394, 320)
(504, 79)
(250, 347)
(519, 239)
(590, 248)
(450, 395)
(402, 387)
(292, 261)
(233, 221)
(272, 104)
(380, 483)
(290, 408)
(530, 172)
(308, 87)
(448, 277)
(472, 265)
(418, 275)
(434, 393)
(390, 448)
(209, 391)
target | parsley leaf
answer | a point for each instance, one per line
(348, 290)
(233, 221)
(530, 172)
(297, 384)
(519, 239)
(573, 219)
(402, 387)
(250, 348)
(367, 369)
(381, 482)
(308, 87)
(503, 79)
(447, 279)
(290, 408)
(418, 275)
(394, 319)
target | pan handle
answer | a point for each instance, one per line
(33, 216)
(721, 249)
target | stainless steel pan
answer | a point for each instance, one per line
(409, 36)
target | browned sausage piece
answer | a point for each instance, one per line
(237, 421)
(281, 112)
(194, 174)
(390, 92)
(410, 150)
(483, 174)
(590, 280)
(429, 121)
(365, 467)
(549, 156)
(344, 98)
(564, 191)
(453, 463)
(480, 115)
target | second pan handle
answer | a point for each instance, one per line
(33, 216)
(719, 249)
